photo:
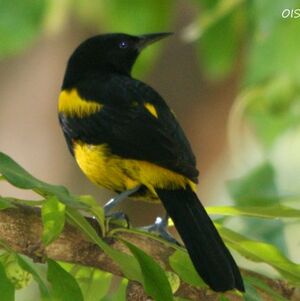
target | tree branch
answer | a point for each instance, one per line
(21, 229)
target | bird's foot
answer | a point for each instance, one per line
(160, 227)
(119, 219)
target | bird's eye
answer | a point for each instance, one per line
(123, 44)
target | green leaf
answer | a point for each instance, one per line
(264, 287)
(127, 263)
(95, 209)
(15, 201)
(15, 174)
(274, 46)
(181, 263)
(174, 281)
(212, 13)
(6, 203)
(221, 31)
(94, 283)
(14, 272)
(258, 188)
(223, 298)
(53, 217)
(19, 177)
(261, 252)
(7, 289)
(119, 294)
(273, 211)
(155, 282)
(271, 108)
(20, 22)
(251, 293)
(64, 286)
(27, 265)
(138, 17)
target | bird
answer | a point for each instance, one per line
(124, 137)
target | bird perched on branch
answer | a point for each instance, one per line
(125, 138)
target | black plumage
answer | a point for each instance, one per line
(128, 128)
(100, 72)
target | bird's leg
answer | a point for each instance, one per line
(112, 203)
(160, 227)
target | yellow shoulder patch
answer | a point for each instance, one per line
(72, 105)
(150, 107)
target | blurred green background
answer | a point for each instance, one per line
(231, 73)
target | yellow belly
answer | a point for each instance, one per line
(115, 173)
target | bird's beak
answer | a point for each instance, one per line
(147, 39)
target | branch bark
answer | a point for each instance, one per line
(21, 229)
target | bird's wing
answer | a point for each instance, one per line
(135, 123)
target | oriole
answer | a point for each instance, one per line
(124, 137)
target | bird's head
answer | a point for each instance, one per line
(108, 53)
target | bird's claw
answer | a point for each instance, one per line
(160, 227)
(118, 219)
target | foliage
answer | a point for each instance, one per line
(225, 33)
(23, 21)
(140, 266)
(20, 23)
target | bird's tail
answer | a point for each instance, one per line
(210, 257)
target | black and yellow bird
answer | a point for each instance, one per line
(124, 137)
